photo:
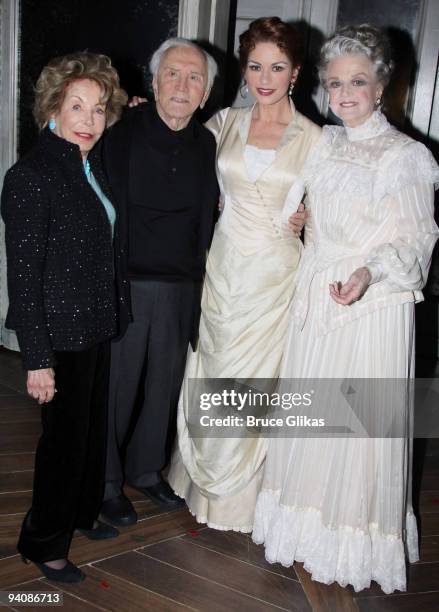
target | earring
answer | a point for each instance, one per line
(378, 103)
(52, 124)
(290, 88)
(243, 90)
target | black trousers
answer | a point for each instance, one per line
(70, 457)
(147, 368)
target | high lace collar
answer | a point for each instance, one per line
(374, 126)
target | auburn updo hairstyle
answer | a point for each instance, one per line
(272, 30)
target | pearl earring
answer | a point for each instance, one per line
(290, 88)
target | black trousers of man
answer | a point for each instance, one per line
(147, 368)
(70, 457)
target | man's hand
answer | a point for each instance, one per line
(136, 100)
(41, 384)
(298, 219)
(353, 289)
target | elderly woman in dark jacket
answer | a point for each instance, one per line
(64, 293)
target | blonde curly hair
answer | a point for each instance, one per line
(62, 71)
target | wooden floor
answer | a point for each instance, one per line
(168, 562)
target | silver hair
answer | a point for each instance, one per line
(364, 39)
(172, 43)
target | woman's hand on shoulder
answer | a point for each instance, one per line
(41, 384)
(353, 289)
(135, 101)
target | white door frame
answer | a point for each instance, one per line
(422, 110)
(205, 20)
(9, 24)
(323, 17)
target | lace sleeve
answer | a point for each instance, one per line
(309, 236)
(320, 150)
(404, 262)
(415, 164)
(311, 170)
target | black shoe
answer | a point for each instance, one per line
(69, 573)
(119, 511)
(101, 532)
(162, 495)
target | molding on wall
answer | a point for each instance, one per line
(428, 47)
(219, 23)
(9, 21)
(188, 18)
(206, 20)
(323, 16)
(9, 17)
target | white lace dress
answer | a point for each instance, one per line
(343, 506)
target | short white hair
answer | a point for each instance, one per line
(172, 43)
(363, 39)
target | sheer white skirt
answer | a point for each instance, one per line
(343, 506)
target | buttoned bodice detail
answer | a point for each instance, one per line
(251, 216)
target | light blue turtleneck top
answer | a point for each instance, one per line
(109, 208)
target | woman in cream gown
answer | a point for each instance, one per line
(249, 280)
(343, 506)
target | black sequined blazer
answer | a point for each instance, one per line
(60, 258)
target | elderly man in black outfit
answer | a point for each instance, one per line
(161, 166)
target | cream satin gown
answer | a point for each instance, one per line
(247, 292)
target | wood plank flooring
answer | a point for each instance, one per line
(168, 562)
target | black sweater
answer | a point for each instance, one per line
(61, 278)
(118, 151)
(166, 199)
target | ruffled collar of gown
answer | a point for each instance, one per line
(292, 129)
(374, 126)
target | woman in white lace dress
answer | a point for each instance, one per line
(343, 506)
(250, 272)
